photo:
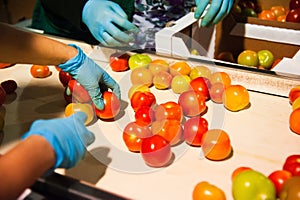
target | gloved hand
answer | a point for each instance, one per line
(90, 75)
(216, 12)
(107, 22)
(67, 136)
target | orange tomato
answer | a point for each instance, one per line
(278, 10)
(236, 97)
(206, 191)
(112, 106)
(72, 108)
(4, 65)
(180, 67)
(158, 65)
(295, 121)
(267, 15)
(40, 71)
(220, 77)
(171, 130)
(281, 18)
(216, 144)
(169, 110)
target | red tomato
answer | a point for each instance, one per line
(119, 61)
(78, 91)
(193, 130)
(64, 77)
(278, 178)
(156, 151)
(237, 171)
(292, 164)
(112, 106)
(171, 130)
(294, 4)
(200, 84)
(2, 95)
(9, 86)
(133, 135)
(192, 103)
(144, 116)
(293, 16)
(40, 71)
(216, 144)
(169, 110)
(140, 99)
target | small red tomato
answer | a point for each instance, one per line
(133, 135)
(64, 77)
(112, 106)
(278, 178)
(293, 16)
(292, 164)
(169, 110)
(2, 95)
(156, 151)
(140, 99)
(119, 61)
(78, 91)
(144, 116)
(200, 85)
(9, 86)
(40, 71)
(171, 130)
(192, 103)
(193, 130)
(294, 4)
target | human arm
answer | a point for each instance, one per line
(49, 144)
(19, 46)
(217, 10)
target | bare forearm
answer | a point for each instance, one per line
(18, 46)
(21, 166)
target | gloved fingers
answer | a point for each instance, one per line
(120, 30)
(112, 84)
(212, 12)
(111, 41)
(225, 9)
(117, 10)
(200, 7)
(85, 135)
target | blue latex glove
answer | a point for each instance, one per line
(216, 12)
(108, 23)
(90, 75)
(67, 136)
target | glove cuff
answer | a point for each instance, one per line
(72, 65)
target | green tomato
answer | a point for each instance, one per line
(291, 189)
(248, 58)
(265, 58)
(139, 60)
(253, 185)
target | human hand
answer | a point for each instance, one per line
(108, 23)
(217, 10)
(68, 137)
(90, 75)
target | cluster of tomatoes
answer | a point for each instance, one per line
(159, 126)
(247, 183)
(294, 120)
(250, 8)
(78, 99)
